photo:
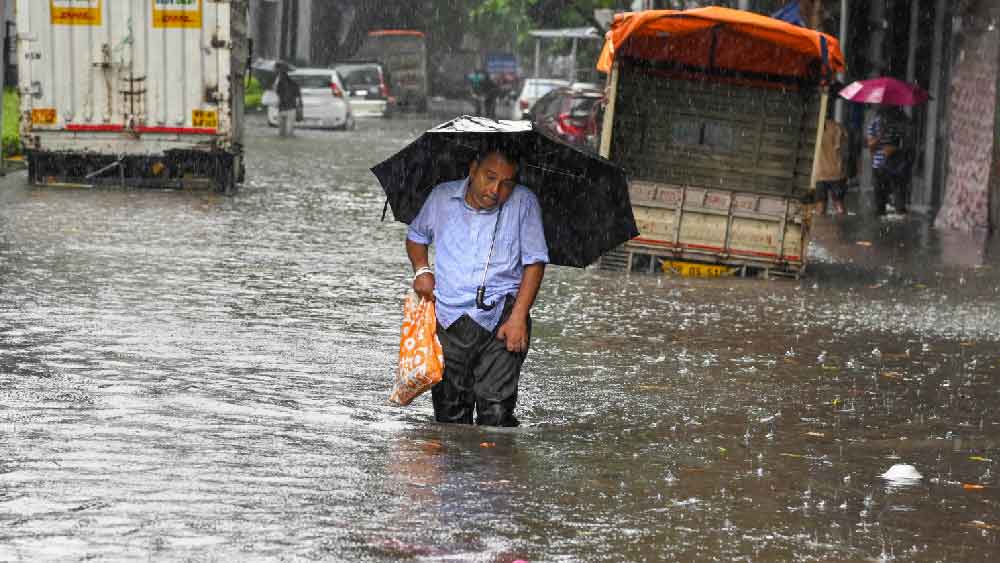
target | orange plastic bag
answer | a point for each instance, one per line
(421, 361)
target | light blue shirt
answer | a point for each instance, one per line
(461, 236)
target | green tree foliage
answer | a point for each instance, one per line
(11, 122)
(497, 20)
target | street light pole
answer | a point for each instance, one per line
(845, 15)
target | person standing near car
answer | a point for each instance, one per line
(289, 100)
(486, 220)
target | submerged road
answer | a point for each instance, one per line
(188, 376)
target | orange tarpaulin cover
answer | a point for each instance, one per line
(720, 38)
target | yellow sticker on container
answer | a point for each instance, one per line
(691, 269)
(43, 116)
(205, 119)
(75, 12)
(176, 13)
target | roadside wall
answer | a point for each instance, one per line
(972, 131)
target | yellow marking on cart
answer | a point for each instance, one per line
(695, 270)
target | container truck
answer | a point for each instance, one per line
(133, 92)
(715, 115)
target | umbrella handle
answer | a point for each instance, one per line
(481, 299)
(481, 290)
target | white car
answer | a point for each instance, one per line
(323, 101)
(533, 89)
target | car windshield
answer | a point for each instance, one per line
(311, 80)
(359, 77)
(582, 107)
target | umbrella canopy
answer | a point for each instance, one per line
(722, 39)
(885, 90)
(586, 209)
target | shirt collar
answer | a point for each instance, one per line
(460, 192)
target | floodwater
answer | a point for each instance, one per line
(187, 376)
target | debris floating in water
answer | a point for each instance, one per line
(902, 473)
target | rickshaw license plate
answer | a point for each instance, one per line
(207, 119)
(43, 116)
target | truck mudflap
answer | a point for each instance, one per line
(177, 169)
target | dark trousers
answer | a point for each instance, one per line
(886, 184)
(480, 375)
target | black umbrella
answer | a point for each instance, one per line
(584, 198)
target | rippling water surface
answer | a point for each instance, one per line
(192, 376)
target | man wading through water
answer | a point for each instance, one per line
(486, 222)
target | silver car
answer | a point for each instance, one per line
(366, 88)
(324, 104)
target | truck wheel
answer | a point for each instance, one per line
(226, 174)
(32, 170)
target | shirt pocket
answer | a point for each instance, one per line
(507, 249)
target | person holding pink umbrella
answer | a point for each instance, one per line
(885, 91)
(888, 137)
(888, 142)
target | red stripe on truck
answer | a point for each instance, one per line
(177, 130)
(106, 128)
(109, 128)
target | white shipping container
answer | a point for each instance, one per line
(141, 92)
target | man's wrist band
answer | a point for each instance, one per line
(422, 271)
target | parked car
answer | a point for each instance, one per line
(323, 102)
(531, 91)
(366, 88)
(571, 114)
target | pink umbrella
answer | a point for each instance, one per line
(885, 90)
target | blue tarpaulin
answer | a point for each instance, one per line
(790, 13)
